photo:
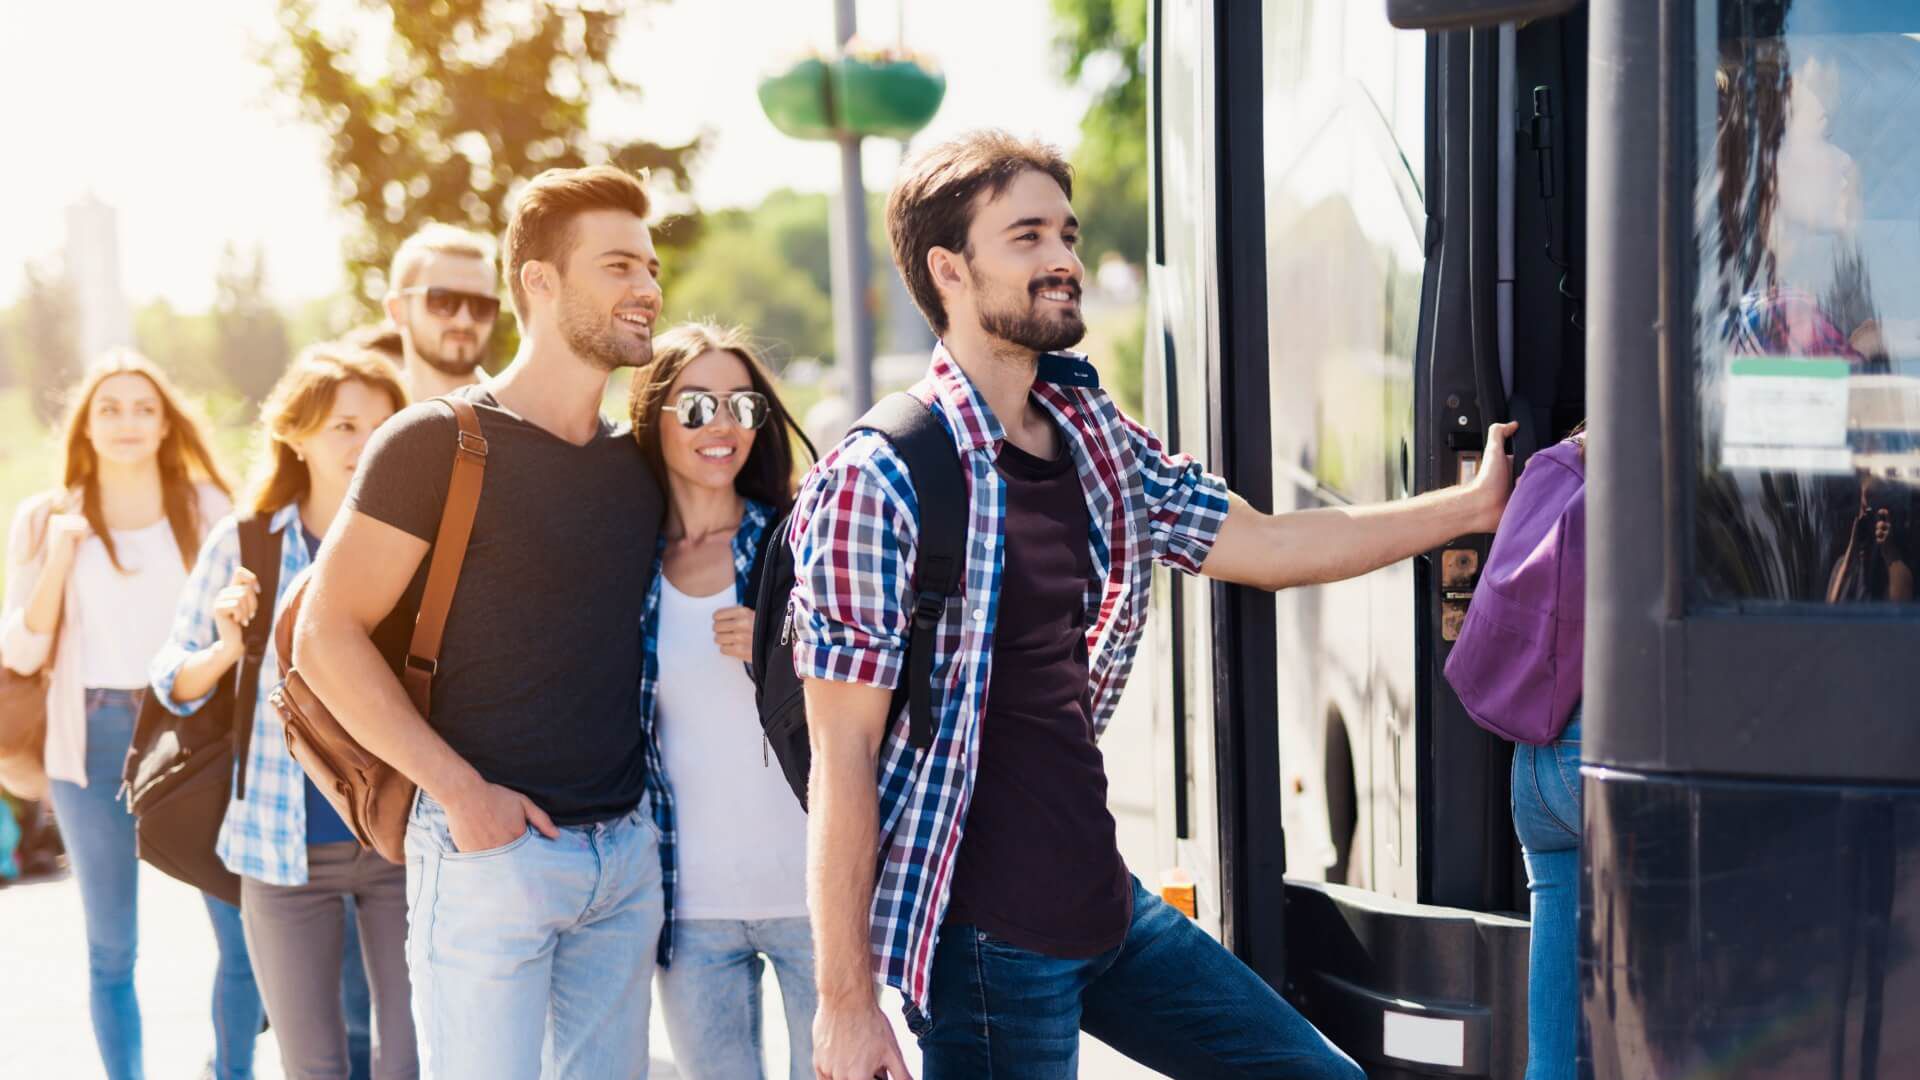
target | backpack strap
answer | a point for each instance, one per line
(940, 490)
(259, 553)
(449, 551)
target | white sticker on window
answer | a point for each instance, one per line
(1425, 1039)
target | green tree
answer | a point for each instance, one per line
(182, 345)
(1104, 42)
(49, 338)
(472, 97)
(250, 334)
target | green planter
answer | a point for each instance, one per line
(796, 100)
(889, 98)
(820, 99)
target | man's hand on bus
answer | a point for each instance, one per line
(1313, 547)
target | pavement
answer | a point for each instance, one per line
(46, 1034)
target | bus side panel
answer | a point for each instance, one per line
(1820, 883)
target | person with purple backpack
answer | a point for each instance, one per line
(1517, 669)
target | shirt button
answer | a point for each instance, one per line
(979, 615)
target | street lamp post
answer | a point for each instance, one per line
(852, 269)
(854, 93)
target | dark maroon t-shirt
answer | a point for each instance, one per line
(1039, 864)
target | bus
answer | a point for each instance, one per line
(1379, 226)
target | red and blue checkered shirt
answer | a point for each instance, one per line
(854, 534)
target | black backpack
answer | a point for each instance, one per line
(180, 769)
(923, 443)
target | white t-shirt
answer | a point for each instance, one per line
(742, 835)
(126, 612)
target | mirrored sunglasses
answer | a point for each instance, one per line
(445, 303)
(697, 408)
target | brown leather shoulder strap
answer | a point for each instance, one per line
(449, 551)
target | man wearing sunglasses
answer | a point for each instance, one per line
(442, 297)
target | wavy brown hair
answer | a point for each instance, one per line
(767, 475)
(299, 404)
(184, 455)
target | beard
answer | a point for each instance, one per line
(441, 358)
(599, 338)
(1018, 320)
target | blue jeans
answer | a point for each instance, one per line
(1546, 816)
(1169, 997)
(711, 995)
(535, 958)
(98, 833)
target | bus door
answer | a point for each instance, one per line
(1751, 879)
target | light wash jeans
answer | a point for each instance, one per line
(98, 833)
(537, 958)
(1546, 817)
(711, 995)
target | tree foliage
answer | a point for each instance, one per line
(470, 97)
(250, 334)
(1104, 42)
(49, 338)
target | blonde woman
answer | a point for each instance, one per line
(301, 873)
(93, 570)
(718, 438)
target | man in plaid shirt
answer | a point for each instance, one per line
(981, 877)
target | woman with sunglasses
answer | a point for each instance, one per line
(708, 421)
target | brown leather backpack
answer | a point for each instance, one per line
(371, 796)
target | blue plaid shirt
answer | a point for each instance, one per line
(746, 547)
(854, 534)
(264, 836)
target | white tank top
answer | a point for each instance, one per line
(125, 616)
(742, 835)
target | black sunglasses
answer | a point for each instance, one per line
(697, 408)
(445, 303)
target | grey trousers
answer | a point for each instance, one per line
(295, 934)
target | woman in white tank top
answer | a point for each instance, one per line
(706, 417)
(94, 569)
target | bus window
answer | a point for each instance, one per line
(1807, 304)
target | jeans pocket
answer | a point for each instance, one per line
(449, 851)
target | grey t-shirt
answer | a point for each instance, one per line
(539, 679)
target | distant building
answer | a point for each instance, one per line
(93, 268)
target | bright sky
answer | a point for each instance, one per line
(168, 117)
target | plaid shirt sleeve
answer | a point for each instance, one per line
(193, 625)
(1186, 505)
(853, 537)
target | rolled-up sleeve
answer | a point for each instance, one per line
(1186, 505)
(21, 649)
(194, 628)
(853, 537)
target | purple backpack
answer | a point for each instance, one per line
(1516, 666)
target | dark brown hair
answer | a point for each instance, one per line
(299, 404)
(767, 475)
(541, 228)
(934, 203)
(184, 455)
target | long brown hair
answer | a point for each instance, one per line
(299, 404)
(767, 475)
(184, 455)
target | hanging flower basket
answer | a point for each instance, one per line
(863, 93)
(795, 99)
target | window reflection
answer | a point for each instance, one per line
(1807, 315)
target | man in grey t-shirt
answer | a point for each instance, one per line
(539, 853)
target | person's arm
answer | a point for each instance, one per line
(849, 606)
(41, 547)
(1313, 547)
(361, 575)
(207, 639)
(845, 724)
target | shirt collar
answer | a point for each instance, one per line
(973, 424)
(284, 517)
